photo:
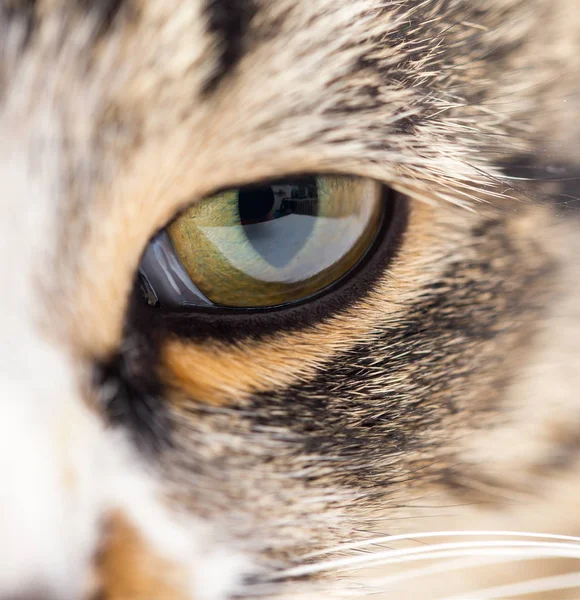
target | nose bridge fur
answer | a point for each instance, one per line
(49, 500)
(47, 503)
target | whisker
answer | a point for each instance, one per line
(380, 584)
(524, 588)
(436, 551)
(433, 534)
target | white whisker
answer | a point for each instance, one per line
(523, 588)
(379, 585)
(432, 534)
(383, 583)
(458, 549)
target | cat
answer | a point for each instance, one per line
(385, 403)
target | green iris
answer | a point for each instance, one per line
(282, 242)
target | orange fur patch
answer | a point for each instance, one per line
(127, 569)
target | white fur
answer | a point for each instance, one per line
(47, 438)
(61, 471)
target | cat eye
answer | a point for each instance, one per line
(263, 245)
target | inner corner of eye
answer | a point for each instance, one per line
(263, 245)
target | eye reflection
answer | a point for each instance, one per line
(265, 245)
(278, 212)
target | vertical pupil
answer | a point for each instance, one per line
(279, 218)
(256, 205)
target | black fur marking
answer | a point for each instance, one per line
(23, 11)
(233, 325)
(106, 11)
(129, 388)
(229, 21)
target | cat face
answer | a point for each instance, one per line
(170, 450)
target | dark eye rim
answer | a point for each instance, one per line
(227, 324)
(158, 290)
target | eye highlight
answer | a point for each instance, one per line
(264, 245)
